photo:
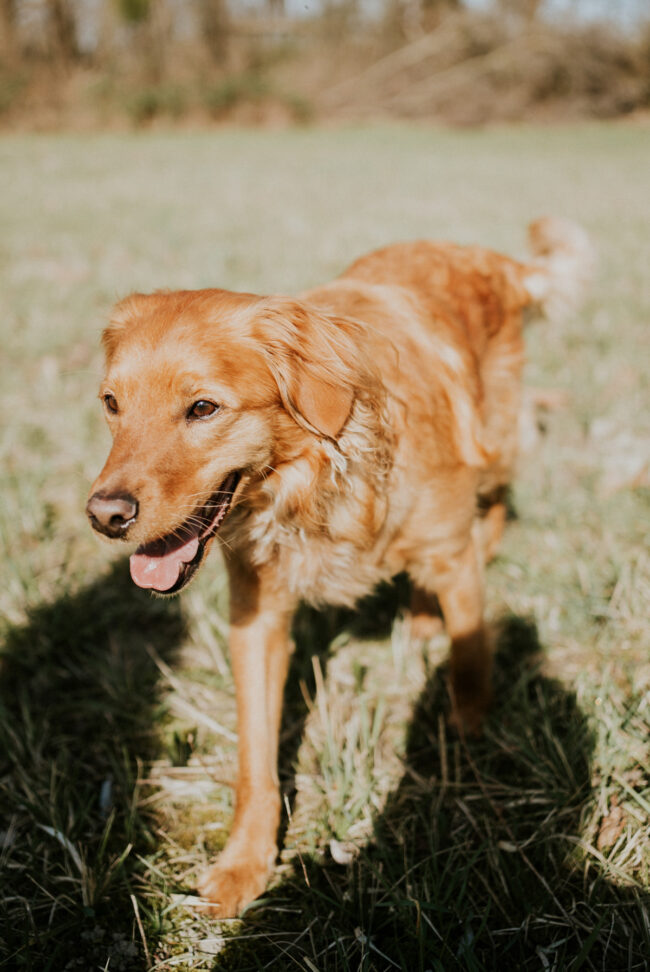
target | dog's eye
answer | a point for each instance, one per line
(110, 402)
(202, 409)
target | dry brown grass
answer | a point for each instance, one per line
(464, 68)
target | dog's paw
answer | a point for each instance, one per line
(230, 887)
(467, 720)
(468, 712)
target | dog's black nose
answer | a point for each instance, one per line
(112, 515)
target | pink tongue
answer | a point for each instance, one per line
(160, 567)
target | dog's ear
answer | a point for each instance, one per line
(123, 316)
(317, 403)
(315, 363)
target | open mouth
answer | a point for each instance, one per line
(167, 564)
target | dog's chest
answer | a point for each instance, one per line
(308, 561)
(323, 572)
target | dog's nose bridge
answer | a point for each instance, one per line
(112, 514)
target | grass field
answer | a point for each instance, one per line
(404, 848)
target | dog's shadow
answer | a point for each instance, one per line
(78, 694)
(474, 862)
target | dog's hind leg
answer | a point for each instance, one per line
(492, 515)
(457, 581)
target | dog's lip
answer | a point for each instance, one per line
(166, 564)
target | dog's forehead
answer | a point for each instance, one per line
(187, 355)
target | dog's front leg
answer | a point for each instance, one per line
(260, 621)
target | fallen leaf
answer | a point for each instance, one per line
(611, 826)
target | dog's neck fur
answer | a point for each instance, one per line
(330, 498)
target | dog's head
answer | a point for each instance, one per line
(207, 393)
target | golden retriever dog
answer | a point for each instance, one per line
(330, 441)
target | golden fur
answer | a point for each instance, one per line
(372, 423)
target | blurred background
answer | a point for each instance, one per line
(111, 63)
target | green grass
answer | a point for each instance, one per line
(527, 849)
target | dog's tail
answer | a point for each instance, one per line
(562, 267)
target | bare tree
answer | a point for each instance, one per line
(214, 26)
(62, 30)
(526, 10)
(417, 16)
(8, 40)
